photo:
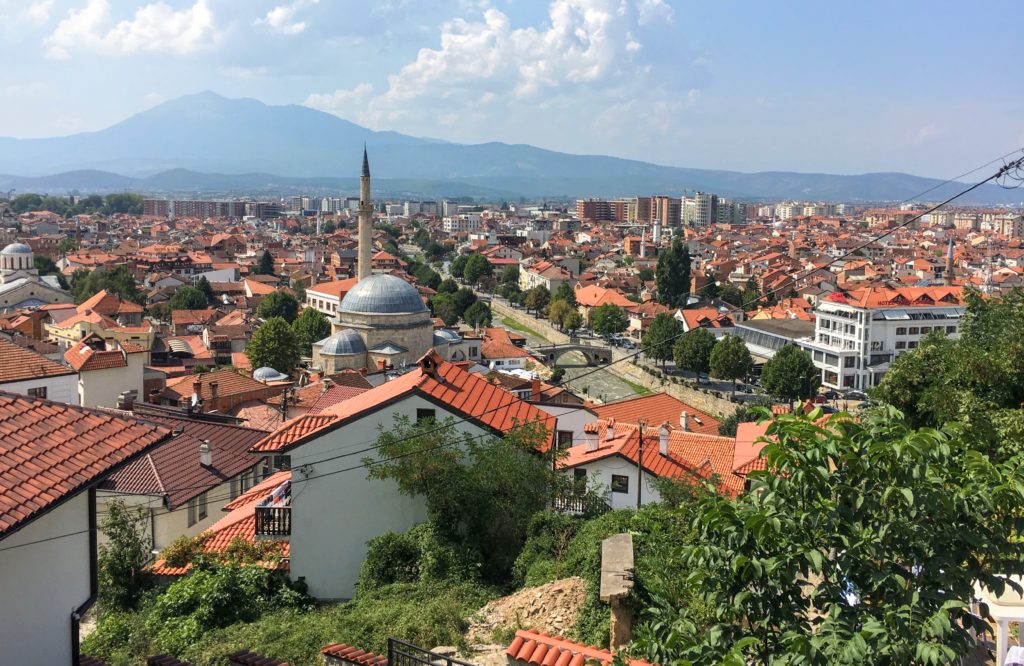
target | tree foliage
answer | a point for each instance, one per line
(476, 267)
(565, 293)
(273, 345)
(510, 275)
(266, 264)
(278, 304)
(203, 285)
(537, 299)
(791, 375)
(660, 337)
(730, 359)
(693, 351)
(309, 327)
(860, 544)
(608, 319)
(122, 559)
(187, 298)
(673, 274)
(118, 280)
(478, 314)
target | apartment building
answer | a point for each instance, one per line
(857, 335)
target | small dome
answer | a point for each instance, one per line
(267, 374)
(343, 343)
(382, 294)
(446, 336)
(16, 248)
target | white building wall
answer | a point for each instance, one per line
(101, 387)
(333, 517)
(42, 584)
(599, 475)
(60, 389)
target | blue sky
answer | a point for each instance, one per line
(931, 88)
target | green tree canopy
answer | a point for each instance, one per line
(463, 299)
(273, 345)
(478, 314)
(660, 337)
(443, 306)
(731, 294)
(266, 264)
(118, 280)
(309, 327)
(860, 544)
(278, 304)
(693, 351)
(608, 319)
(448, 286)
(510, 275)
(458, 265)
(203, 285)
(537, 299)
(187, 298)
(477, 267)
(790, 375)
(730, 359)
(122, 576)
(559, 311)
(566, 293)
(673, 274)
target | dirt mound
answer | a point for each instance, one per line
(551, 608)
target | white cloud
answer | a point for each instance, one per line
(342, 102)
(282, 18)
(38, 13)
(652, 10)
(155, 28)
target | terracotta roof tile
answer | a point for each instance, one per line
(82, 357)
(657, 409)
(20, 364)
(229, 382)
(353, 655)
(246, 658)
(539, 649)
(50, 450)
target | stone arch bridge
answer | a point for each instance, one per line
(595, 354)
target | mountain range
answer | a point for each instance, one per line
(206, 144)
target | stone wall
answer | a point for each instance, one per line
(547, 330)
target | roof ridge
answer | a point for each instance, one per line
(156, 473)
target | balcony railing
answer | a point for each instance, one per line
(273, 522)
(401, 653)
(580, 504)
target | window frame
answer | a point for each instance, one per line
(620, 484)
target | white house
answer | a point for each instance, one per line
(25, 372)
(335, 509)
(106, 369)
(51, 458)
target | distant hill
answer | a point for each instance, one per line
(205, 143)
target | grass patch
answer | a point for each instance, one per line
(509, 322)
(637, 388)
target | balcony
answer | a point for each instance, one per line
(273, 522)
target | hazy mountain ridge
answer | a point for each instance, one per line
(205, 143)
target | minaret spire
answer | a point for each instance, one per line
(365, 220)
(948, 277)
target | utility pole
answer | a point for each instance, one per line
(640, 464)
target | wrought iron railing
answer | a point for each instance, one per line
(580, 503)
(401, 653)
(273, 522)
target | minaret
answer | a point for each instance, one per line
(948, 277)
(365, 220)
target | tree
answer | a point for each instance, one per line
(309, 327)
(790, 375)
(118, 280)
(673, 275)
(478, 314)
(731, 294)
(67, 245)
(443, 307)
(273, 345)
(559, 311)
(448, 286)
(463, 299)
(203, 285)
(510, 274)
(46, 266)
(121, 561)
(266, 264)
(278, 304)
(123, 202)
(645, 274)
(608, 319)
(458, 265)
(660, 337)
(730, 359)
(565, 293)
(481, 492)
(834, 555)
(572, 321)
(537, 298)
(477, 267)
(692, 351)
(160, 311)
(187, 298)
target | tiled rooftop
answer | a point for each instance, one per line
(20, 364)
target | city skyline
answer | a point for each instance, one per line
(743, 87)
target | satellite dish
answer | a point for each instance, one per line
(195, 399)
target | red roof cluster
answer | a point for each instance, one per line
(539, 649)
(20, 364)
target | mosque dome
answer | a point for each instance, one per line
(268, 374)
(382, 294)
(443, 336)
(16, 248)
(342, 343)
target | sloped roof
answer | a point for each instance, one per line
(20, 364)
(656, 409)
(50, 451)
(539, 649)
(229, 382)
(82, 357)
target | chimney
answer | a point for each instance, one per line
(154, 396)
(684, 421)
(663, 439)
(213, 393)
(609, 433)
(206, 453)
(126, 400)
(535, 390)
(591, 430)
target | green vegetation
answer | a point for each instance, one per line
(278, 304)
(693, 351)
(188, 298)
(118, 280)
(639, 389)
(121, 202)
(790, 375)
(266, 264)
(672, 274)
(608, 319)
(515, 325)
(660, 337)
(121, 561)
(309, 327)
(274, 345)
(730, 359)
(537, 299)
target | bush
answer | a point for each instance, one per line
(547, 537)
(184, 550)
(418, 555)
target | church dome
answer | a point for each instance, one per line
(343, 343)
(16, 248)
(382, 294)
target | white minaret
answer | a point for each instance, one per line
(365, 220)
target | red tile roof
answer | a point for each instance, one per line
(656, 409)
(82, 357)
(50, 451)
(109, 304)
(229, 383)
(540, 649)
(20, 364)
(904, 297)
(246, 658)
(333, 395)
(456, 389)
(354, 655)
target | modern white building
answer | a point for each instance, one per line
(859, 334)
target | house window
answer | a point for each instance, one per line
(473, 352)
(620, 483)
(424, 414)
(202, 507)
(192, 508)
(914, 330)
(282, 462)
(901, 345)
(234, 488)
(950, 329)
(38, 392)
(850, 362)
(579, 477)
(564, 439)
(902, 330)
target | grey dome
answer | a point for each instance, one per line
(268, 374)
(343, 343)
(382, 294)
(16, 248)
(445, 336)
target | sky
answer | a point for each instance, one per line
(931, 87)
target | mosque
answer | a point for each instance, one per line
(382, 322)
(21, 286)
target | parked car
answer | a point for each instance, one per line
(819, 399)
(856, 395)
(832, 394)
